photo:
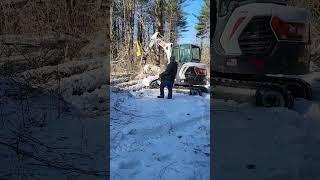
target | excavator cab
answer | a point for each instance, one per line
(190, 70)
(261, 45)
(259, 37)
(186, 53)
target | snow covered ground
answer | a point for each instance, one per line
(44, 137)
(266, 143)
(155, 138)
(56, 129)
(53, 116)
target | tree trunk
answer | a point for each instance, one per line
(173, 24)
(159, 23)
(131, 29)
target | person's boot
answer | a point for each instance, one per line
(169, 97)
(160, 96)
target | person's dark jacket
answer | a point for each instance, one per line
(170, 72)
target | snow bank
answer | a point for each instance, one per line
(149, 70)
(48, 73)
(53, 138)
(146, 81)
(96, 46)
(93, 103)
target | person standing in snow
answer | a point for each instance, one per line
(167, 78)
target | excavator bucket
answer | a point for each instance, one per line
(156, 38)
(153, 39)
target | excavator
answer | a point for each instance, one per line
(261, 45)
(191, 74)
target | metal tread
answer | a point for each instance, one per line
(263, 82)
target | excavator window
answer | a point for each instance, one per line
(195, 54)
(175, 53)
(185, 54)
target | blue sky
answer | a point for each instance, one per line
(193, 7)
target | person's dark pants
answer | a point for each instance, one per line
(169, 85)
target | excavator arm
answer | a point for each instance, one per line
(156, 38)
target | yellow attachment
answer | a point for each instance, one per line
(138, 48)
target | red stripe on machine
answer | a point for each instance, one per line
(236, 26)
(258, 63)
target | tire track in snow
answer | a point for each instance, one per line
(167, 128)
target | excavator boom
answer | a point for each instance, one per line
(156, 38)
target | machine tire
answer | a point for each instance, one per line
(274, 97)
(204, 90)
(193, 92)
(297, 90)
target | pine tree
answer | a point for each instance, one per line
(203, 26)
(176, 18)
